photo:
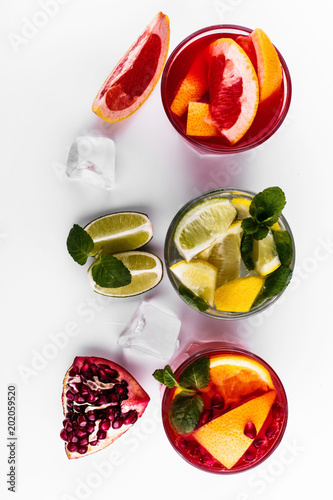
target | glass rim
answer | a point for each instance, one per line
(237, 148)
(277, 383)
(214, 313)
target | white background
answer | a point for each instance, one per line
(48, 84)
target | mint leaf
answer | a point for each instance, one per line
(184, 412)
(166, 376)
(261, 233)
(192, 299)
(247, 250)
(196, 375)
(266, 207)
(79, 244)
(277, 281)
(250, 225)
(110, 272)
(284, 246)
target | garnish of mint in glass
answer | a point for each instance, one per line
(108, 271)
(265, 211)
(187, 405)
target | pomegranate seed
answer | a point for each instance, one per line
(84, 442)
(194, 449)
(91, 398)
(101, 434)
(117, 423)
(120, 389)
(69, 395)
(64, 435)
(258, 443)
(276, 411)
(105, 425)
(84, 390)
(113, 398)
(86, 371)
(208, 459)
(71, 447)
(73, 438)
(250, 455)
(82, 421)
(73, 371)
(81, 433)
(91, 415)
(183, 444)
(217, 402)
(131, 417)
(112, 413)
(206, 416)
(83, 450)
(123, 382)
(250, 430)
(271, 430)
(102, 400)
(78, 398)
(68, 426)
(90, 428)
(93, 443)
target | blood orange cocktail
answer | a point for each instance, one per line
(244, 411)
(270, 113)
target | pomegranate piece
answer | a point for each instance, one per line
(101, 400)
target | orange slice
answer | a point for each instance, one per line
(224, 436)
(193, 87)
(136, 74)
(269, 66)
(239, 294)
(233, 89)
(237, 377)
(199, 121)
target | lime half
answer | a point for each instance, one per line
(146, 270)
(119, 232)
(199, 276)
(202, 224)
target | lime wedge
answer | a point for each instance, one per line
(225, 255)
(242, 206)
(146, 271)
(265, 256)
(202, 224)
(119, 232)
(199, 276)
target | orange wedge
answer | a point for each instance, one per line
(233, 89)
(193, 87)
(237, 377)
(268, 62)
(199, 121)
(224, 436)
(239, 294)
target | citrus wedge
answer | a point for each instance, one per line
(237, 377)
(238, 295)
(224, 254)
(224, 436)
(193, 87)
(146, 271)
(265, 256)
(120, 232)
(242, 206)
(136, 74)
(233, 89)
(199, 122)
(199, 276)
(268, 62)
(199, 227)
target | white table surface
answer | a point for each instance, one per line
(48, 83)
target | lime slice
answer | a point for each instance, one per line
(199, 276)
(265, 256)
(202, 224)
(146, 270)
(119, 232)
(242, 206)
(225, 255)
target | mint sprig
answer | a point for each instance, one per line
(186, 407)
(107, 271)
(192, 299)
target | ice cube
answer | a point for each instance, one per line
(152, 331)
(91, 159)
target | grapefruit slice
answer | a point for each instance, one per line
(269, 66)
(194, 85)
(233, 89)
(199, 122)
(136, 74)
(224, 436)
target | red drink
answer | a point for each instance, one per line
(244, 400)
(270, 113)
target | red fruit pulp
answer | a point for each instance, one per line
(264, 442)
(267, 114)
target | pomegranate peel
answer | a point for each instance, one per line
(101, 401)
(136, 74)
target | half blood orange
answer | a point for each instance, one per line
(233, 89)
(136, 74)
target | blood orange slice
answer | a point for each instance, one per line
(269, 66)
(233, 89)
(136, 74)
